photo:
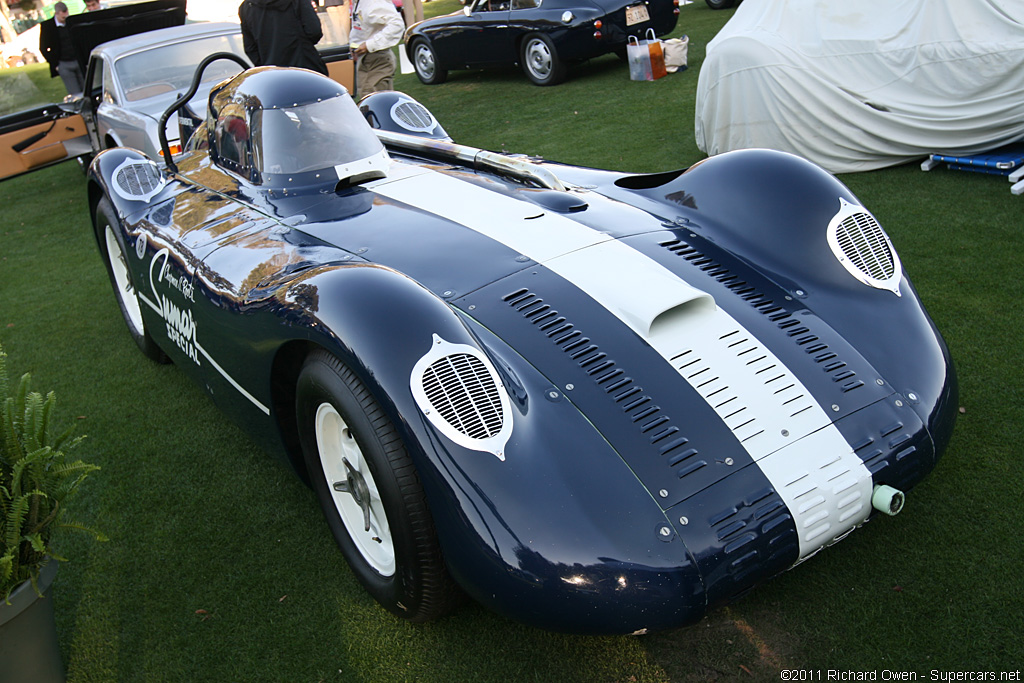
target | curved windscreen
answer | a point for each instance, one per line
(311, 137)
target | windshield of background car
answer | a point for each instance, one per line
(169, 68)
(312, 137)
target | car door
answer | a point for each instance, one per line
(481, 38)
(207, 255)
(48, 134)
(40, 137)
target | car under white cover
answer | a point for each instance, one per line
(865, 85)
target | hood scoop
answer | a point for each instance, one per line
(645, 296)
(627, 283)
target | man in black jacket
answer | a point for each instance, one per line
(281, 33)
(57, 48)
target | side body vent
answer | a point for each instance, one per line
(138, 180)
(413, 116)
(863, 248)
(459, 391)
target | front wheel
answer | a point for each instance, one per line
(721, 4)
(540, 60)
(369, 492)
(424, 60)
(111, 241)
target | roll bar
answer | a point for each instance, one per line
(189, 94)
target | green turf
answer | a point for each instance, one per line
(28, 86)
(220, 568)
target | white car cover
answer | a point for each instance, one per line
(855, 86)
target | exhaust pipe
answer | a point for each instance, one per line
(887, 499)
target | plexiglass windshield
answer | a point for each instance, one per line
(170, 68)
(312, 137)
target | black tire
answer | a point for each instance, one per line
(424, 60)
(721, 4)
(110, 238)
(346, 437)
(540, 60)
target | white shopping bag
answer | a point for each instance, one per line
(639, 57)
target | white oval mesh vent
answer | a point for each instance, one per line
(413, 116)
(862, 246)
(459, 391)
(138, 180)
(459, 387)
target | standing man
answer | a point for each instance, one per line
(376, 28)
(57, 48)
(281, 33)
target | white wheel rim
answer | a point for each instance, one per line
(538, 58)
(125, 291)
(425, 61)
(336, 445)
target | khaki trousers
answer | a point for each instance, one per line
(376, 71)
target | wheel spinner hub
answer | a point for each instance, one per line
(355, 485)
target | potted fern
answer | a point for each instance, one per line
(37, 478)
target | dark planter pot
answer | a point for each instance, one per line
(29, 650)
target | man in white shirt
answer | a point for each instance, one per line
(376, 28)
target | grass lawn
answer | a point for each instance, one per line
(220, 568)
(28, 86)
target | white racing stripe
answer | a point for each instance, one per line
(791, 438)
(621, 279)
(787, 433)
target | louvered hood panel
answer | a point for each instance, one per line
(771, 328)
(703, 405)
(670, 437)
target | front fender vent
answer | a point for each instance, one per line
(138, 180)
(863, 248)
(459, 391)
(459, 387)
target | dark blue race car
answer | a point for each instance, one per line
(543, 37)
(593, 401)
